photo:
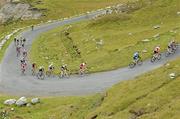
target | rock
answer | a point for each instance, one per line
(172, 75)
(28, 105)
(35, 100)
(167, 65)
(130, 34)
(18, 10)
(144, 51)
(12, 109)
(10, 102)
(178, 13)
(22, 101)
(157, 27)
(156, 36)
(146, 40)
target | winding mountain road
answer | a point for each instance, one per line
(13, 83)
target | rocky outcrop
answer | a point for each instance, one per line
(17, 10)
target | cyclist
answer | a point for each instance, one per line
(18, 50)
(24, 52)
(15, 39)
(23, 42)
(34, 68)
(136, 57)
(17, 42)
(23, 65)
(156, 51)
(82, 68)
(50, 69)
(64, 70)
(32, 27)
(41, 72)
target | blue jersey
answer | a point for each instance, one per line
(136, 56)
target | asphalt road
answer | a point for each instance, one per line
(13, 83)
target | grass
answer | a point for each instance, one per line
(114, 30)
(54, 9)
(153, 95)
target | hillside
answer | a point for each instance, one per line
(108, 42)
(51, 10)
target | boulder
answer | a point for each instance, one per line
(12, 109)
(130, 34)
(28, 105)
(172, 75)
(146, 40)
(35, 100)
(22, 101)
(167, 64)
(157, 27)
(144, 51)
(156, 36)
(10, 102)
(178, 13)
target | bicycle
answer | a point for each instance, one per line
(134, 63)
(40, 75)
(23, 71)
(155, 57)
(33, 72)
(171, 51)
(63, 74)
(82, 72)
(50, 73)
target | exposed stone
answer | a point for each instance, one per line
(12, 109)
(15, 11)
(157, 27)
(172, 75)
(22, 101)
(167, 64)
(178, 13)
(144, 51)
(146, 40)
(156, 36)
(35, 100)
(28, 105)
(130, 34)
(10, 102)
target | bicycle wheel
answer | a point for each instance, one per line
(42, 77)
(153, 59)
(48, 73)
(140, 62)
(167, 54)
(159, 57)
(60, 75)
(38, 75)
(132, 65)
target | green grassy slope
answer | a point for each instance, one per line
(55, 9)
(150, 96)
(115, 31)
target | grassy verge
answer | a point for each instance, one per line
(150, 96)
(121, 35)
